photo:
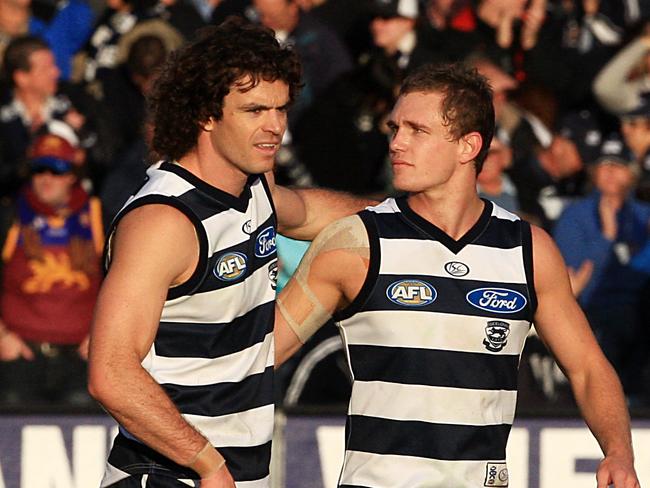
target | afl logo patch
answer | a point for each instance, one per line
(456, 268)
(230, 266)
(265, 243)
(412, 293)
(498, 300)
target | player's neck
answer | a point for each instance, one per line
(214, 171)
(453, 212)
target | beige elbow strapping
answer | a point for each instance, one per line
(306, 313)
(309, 317)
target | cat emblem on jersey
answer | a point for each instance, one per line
(496, 335)
(273, 274)
(456, 268)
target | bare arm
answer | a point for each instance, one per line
(303, 213)
(612, 87)
(154, 248)
(563, 327)
(329, 277)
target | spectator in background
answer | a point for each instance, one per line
(323, 55)
(324, 59)
(509, 30)
(514, 21)
(584, 129)
(502, 85)
(452, 27)
(124, 91)
(64, 24)
(398, 37)
(349, 20)
(120, 91)
(182, 15)
(597, 236)
(14, 20)
(588, 36)
(623, 80)
(492, 182)
(30, 70)
(635, 127)
(121, 17)
(557, 175)
(548, 170)
(353, 111)
(50, 281)
(577, 38)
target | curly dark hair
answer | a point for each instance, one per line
(467, 100)
(195, 80)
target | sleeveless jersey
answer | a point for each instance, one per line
(433, 343)
(213, 352)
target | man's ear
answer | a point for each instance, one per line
(208, 125)
(20, 78)
(469, 146)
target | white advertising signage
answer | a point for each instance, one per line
(70, 452)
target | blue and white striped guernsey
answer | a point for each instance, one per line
(213, 352)
(433, 342)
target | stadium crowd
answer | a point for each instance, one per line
(571, 81)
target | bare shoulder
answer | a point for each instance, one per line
(556, 303)
(339, 255)
(344, 237)
(155, 235)
(346, 232)
(541, 239)
(547, 261)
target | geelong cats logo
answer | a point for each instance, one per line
(496, 335)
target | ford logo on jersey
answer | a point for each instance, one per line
(412, 293)
(499, 300)
(230, 266)
(265, 244)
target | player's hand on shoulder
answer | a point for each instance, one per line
(617, 471)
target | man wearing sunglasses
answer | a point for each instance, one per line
(50, 282)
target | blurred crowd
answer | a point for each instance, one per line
(571, 81)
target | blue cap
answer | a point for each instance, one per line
(614, 150)
(52, 152)
(581, 127)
